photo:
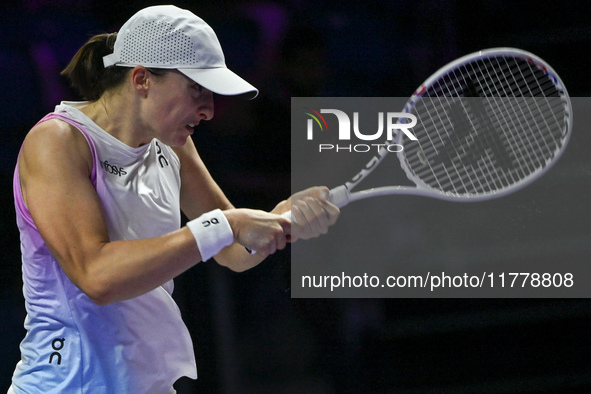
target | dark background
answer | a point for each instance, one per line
(249, 335)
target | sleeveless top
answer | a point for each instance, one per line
(73, 345)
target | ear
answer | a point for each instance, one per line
(140, 79)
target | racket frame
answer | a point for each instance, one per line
(343, 194)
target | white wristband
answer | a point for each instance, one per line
(212, 233)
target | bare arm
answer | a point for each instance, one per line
(54, 169)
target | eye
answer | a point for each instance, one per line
(198, 87)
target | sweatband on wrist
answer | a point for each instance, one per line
(212, 233)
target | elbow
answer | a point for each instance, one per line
(95, 283)
(99, 293)
(100, 299)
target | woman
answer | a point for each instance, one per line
(99, 187)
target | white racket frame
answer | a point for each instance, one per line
(343, 194)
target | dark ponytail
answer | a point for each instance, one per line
(86, 71)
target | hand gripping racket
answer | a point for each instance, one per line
(488, 124)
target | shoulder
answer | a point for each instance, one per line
(54, 131)
(56, 141)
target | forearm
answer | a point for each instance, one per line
(122, 270)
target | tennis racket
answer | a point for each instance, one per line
(488, 124)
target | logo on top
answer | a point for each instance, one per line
(399, 121)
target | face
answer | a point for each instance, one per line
(174, 105)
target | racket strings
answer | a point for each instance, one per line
(487, 125)
(521, 122)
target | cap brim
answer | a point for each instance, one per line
(221, 81)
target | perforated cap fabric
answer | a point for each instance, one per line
(169, 37)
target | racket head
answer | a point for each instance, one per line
(488, 124)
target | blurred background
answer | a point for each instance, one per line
(249, 335)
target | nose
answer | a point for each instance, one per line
(205, 108)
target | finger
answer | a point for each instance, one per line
(320, 192)
(302, 222)
(281, 241)
(314, 214)
(283, 229)
(308, 214)
(286, 225)
(266, 246)
(332, 211)
(285, 222)
(321, 218)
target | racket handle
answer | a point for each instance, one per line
(339, 196)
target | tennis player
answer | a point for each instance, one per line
(99, 187)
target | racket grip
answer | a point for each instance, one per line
(339, 196)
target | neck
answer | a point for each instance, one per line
(118, 117)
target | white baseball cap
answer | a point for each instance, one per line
(168, 37)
